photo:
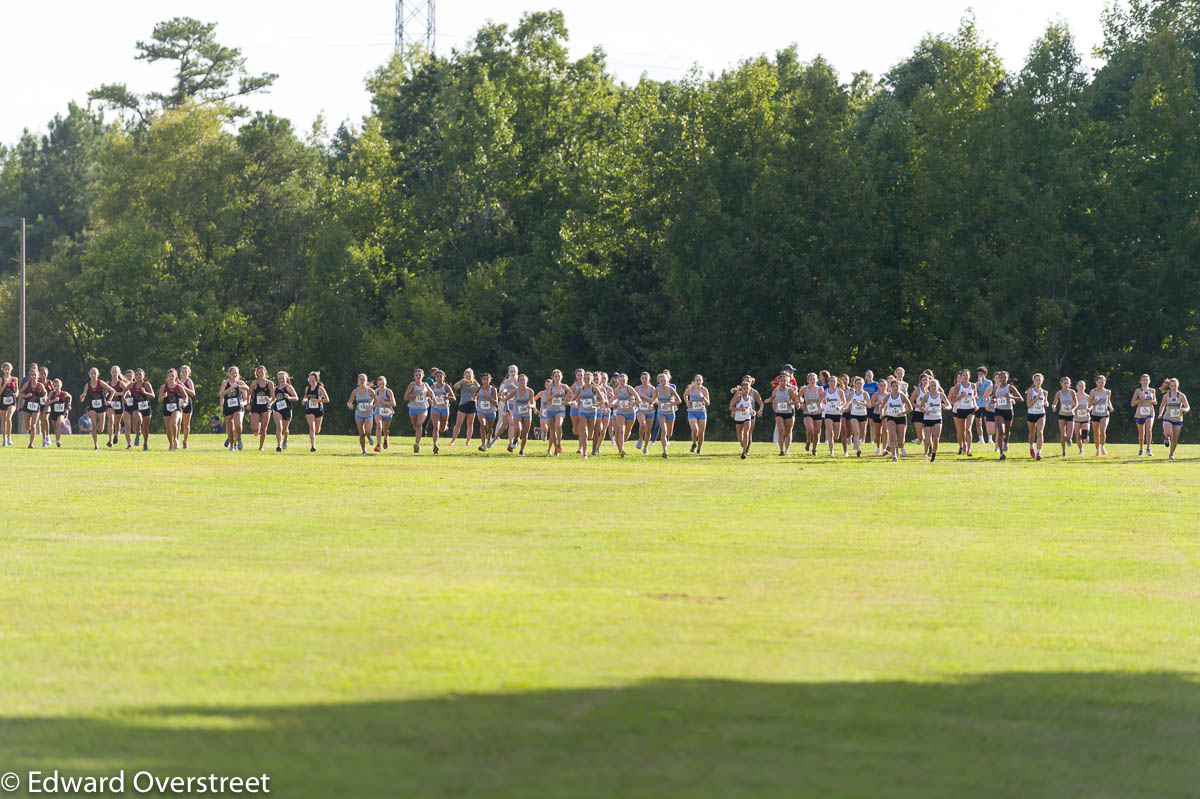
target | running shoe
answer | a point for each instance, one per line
(279, 449)
(240, 445)
(377, 448)
(1003, 456)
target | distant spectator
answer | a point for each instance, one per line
(217, 426)
(85, 424)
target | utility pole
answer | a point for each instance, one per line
(416, 25)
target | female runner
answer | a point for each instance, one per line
(586, 400)
(985, 414)
(418, 397)
(522, 415)
(112, 414)
(8, 402)
(744, 406)
(857, 410)
(625, 412)
(541, 406)
(442, 395)
(1100, 402)
(44, 415)
(93, 399)
(314, 407)
(171, 395)
(362, 402)
(555, 407)
(143, 393)
(30, 396)
(504, 412)
(936, 402)
(1036, 400)
(835, 399)
(785, 398)
(1064, 407)
(1083, 413)
(871, 387)
(466, 389)
(1143, 404)
(647, 396)
(604, 403)
(1171, 410)
(385, 412)
(963, 398)
(233, 406)
(1003, 395)
(281, 408)
(668, 401)
(896, 406)
(811, 396)
(188, 406)
(59, 404)
(844, 384)
(487, 400)
(697, 411)
(130, 419)
(261, 392)
(573, 410)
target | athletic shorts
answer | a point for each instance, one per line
(667, 417)
(488, 415)
(1177, 424)
(587, 414)
(286, 415)
(901, 421)
(697, 415)
(785, 414)
(548, 414)
(146, 414)
(927, 422)
(874, 416)
(989, 416)
(1143, 419)
(861, 419)
(261, 409)
(573, 412)
(833, 417)
(1003, 413)
(128, 409)
(919, 420)
(1034, 418)
(317, 412)
(467, 407)
(964, 413)
(816, 417)
(846, 416)
(227, 412)
(413, 413)
(1096, 418)
(629, 417)
(1066, 417)
(185, 407)
(440, 411)
(54, 417)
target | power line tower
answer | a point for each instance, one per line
(416, 24)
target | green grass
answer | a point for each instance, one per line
(480, 625)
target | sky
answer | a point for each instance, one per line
(54, 52)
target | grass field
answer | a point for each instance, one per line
(478, 625)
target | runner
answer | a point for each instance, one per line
(30, 396)
(487, 400)
(112, 413)
(896, 406)
(93, 398)
(522, 415)
(1064, 407)
(1143, 404)
(985, 416)
(315, 399)
(963, 398)
(811, 396)
(1083, 414)
(419, 397)
(831, 411)
(744, 407)
(668, 401)
(697, 411)
(1036, 400)
(143, 396)
(262, 392)
(1171, 410)
(232, 397)
(875, 426)
(59, 404)
(9, 389)
(554, 409)
(936, 402)
(857, 411)
(442, 395)
(281, 408)
(362, 402)
(466, 389)
(625, 412)
(785, 398)
(171, 395)
(188, 406)
(647, 397)
(1100, 402)
(130, 418)
(1003, 395)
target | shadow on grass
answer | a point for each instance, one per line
(1070, 735)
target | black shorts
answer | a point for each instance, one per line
(167, 413)
(1034, 418)
(861, 419)
(989, 415)
(1096, 418)
(900, 421)
(54, 417)
(467, 407)
(785, 414)
(259, 409)
(227, 411)
(919, 420)
(146, 414)
(1003, 413)
(874, 416)
(846, 416)
(128, 409)
(1066, 417)
(185, 407)
(833, 417)
(814, 416)
(964, 413)
(316, 412)
(928, 422)
(285, 414)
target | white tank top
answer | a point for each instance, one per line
(965, 397)
(1038, 401)
(858, 403)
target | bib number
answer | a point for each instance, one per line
(281, 405)
(9, 400)
(98, 404)
(698, 406)
(364, 408)
(783, 407)
(585, 404)
(484, 405)
(1145, 410)
(385, 413)
(811, 408)
(1174, 414)
(312, 403)
(232, 402)
(643, 406)
(143, 405)
(172, 407)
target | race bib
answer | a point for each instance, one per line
(386, 413)
(1145, 410)
(143, 405)
(1002, 401)
(522, 409)
(858, 409)
(783, 407)
(811, 408)
(625, 404)
(10, 400)
(896, 410)
(59, 407)
(484, 405)
(420, 402)
(172, 407)
(281, 405)
(643, 406)
(232, 402)
(556, 401)
(98, 404)
(364, 407)
(312, 403)
(32, 407)
(260, 399)
(1175, 413)
(585, 404)
(698, 405)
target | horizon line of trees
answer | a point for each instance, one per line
(505, 203)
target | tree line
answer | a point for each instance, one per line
(508, 204)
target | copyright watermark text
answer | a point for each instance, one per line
(141, 782)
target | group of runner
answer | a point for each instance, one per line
(597, 407)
